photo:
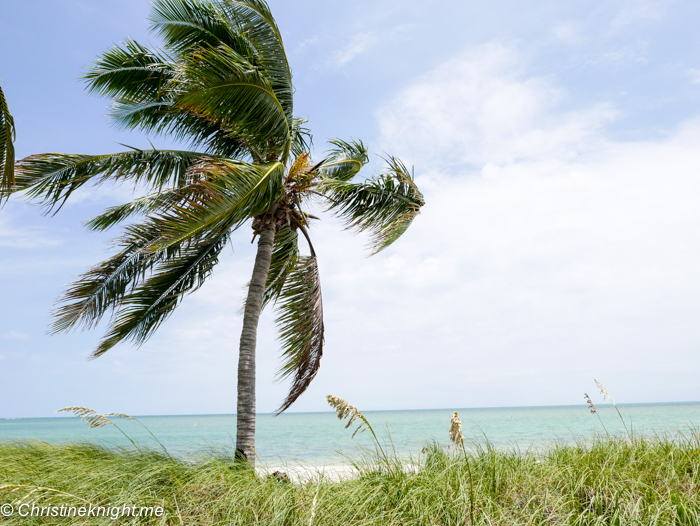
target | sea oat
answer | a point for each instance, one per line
(456, 435)
(91, 417)
(606, 396)
(604, 391)
(590, 403)
(346, 410)
(95, 419)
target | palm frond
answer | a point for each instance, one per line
(258, 25)
(186, 24)
(285, 254)
(228, 192)
(142, 205)
(345, 160)
(139, 80)
(144, 309)
(188, 218)
(300, 322)
(246, 27)
(148, 204)
(385, 205)
(104, 286)
(218, 84)
(301, 141)
(51, 178)
(129, 72)
(7, 149)
(163, 118)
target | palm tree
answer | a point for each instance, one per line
(7, 149)
(223, 85)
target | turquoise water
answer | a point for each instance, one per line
(320, 438)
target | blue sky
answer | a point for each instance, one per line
(556, 144)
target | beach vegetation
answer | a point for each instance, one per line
(600, 481)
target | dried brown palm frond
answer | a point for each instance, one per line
(456, 435)
(346, 410)
(300, 323)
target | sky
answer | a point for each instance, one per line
(556, 144)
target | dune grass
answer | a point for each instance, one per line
(606, 480)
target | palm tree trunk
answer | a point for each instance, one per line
(245, 414)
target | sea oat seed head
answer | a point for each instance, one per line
(590, 403)
(91, 417)
(456, 435)
(345, 410)
(603, 391)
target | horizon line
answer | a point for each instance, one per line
(583, 406)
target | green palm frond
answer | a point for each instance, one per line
(257, 24)
(199, 216)
(51, 178)
(220, 85)
(301, 141)
(163, 118)
(141, 206)
(139, 81)
(7, 149)
(228, 193)
(184, 24)
(285, 254)
(345, 160)
(384, 206)
(130, 72)
(144, 309)
(104, 286)
(246, 27)
(300, 323)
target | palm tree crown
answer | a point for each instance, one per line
(221, 84)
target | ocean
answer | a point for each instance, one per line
(321, 439)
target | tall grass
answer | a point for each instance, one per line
(605, 480)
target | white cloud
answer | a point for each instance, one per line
(14, 335)
(304, 44)
(620, 57)
(694, 74)
(364, 41)
(567, 32)
(478, 108)
(15, 236)
(359, 44)
(639, 12)
(546, 254)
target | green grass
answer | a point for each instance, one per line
(613, 481)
